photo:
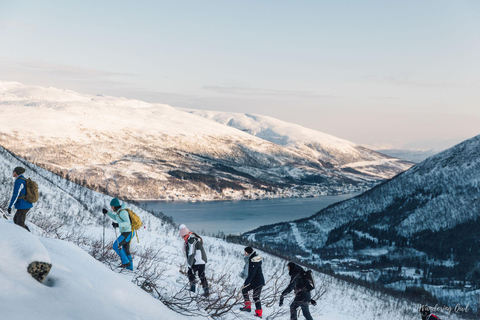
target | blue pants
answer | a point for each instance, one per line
(122, 246)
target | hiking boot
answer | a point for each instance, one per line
(192, 288)
(258, 313)
(247, 306)
(125, 265)
(206, 292)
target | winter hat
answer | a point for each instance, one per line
(183, 230)
(291, 266)
(248, 250)
(19, 170)
(115, 202)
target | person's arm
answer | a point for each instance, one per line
(191, 248)
(290, 287)
(16, 192)
(125, 220)
(252, 270)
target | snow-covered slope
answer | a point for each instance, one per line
(431, 211)
(139, 150)
(71, 210)
(330, 150)
(78, 286)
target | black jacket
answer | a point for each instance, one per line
(255, 275)
(297, 283)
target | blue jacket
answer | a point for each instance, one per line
(19, 190)
(122, 218)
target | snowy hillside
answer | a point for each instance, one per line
(139, 150)
(426, 218)
(77, 287)
(330, 150)
(68, 211)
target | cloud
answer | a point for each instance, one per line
(16, 24)
(403, 81)
(252, 91)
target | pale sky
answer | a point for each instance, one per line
(378, 73)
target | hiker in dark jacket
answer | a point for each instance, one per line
(18, 198)
(302, 295)
(121, 246)
(196, 258)
(253, 275)
(426, 314)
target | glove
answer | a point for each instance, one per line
(115, 225)
(313, 302)
(9, 210)
(104, 211)
(281, 302)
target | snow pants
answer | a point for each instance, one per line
(122, 246)
(200, 269)
(19, 218)
(302, 300)
(256, 296)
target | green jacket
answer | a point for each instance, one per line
(122, 218)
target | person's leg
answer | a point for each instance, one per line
(256, 297)
(118, 247)
(258, 303)
(191, 278)
(126, 248)
(247, 304)
(200, 268)
(293, 310)
(306, 310)
(19, 218)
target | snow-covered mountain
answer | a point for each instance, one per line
(426, 218)
(139, 150)
(72, 212)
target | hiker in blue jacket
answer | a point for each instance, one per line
(19, 192)
(121, 246)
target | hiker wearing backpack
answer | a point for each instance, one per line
(302, 294)
(253, 275)
(18, 198)
(426, 314)
(196, 258)
(121, 246)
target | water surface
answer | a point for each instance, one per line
(235, 217)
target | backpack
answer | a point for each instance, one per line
(135, 221)
(308, 280)
(31, 191)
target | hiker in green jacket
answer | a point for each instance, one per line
(121, 246)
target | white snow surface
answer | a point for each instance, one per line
(77, 287)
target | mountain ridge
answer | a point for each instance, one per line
(139, 150)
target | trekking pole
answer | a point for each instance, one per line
(103, 238)
(4, 214)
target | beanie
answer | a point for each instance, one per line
(19, 170)
(291, 265)
(248, 250)
(183, 230)
(115, 202)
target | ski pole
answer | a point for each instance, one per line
(3, 214)
(103, 239)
